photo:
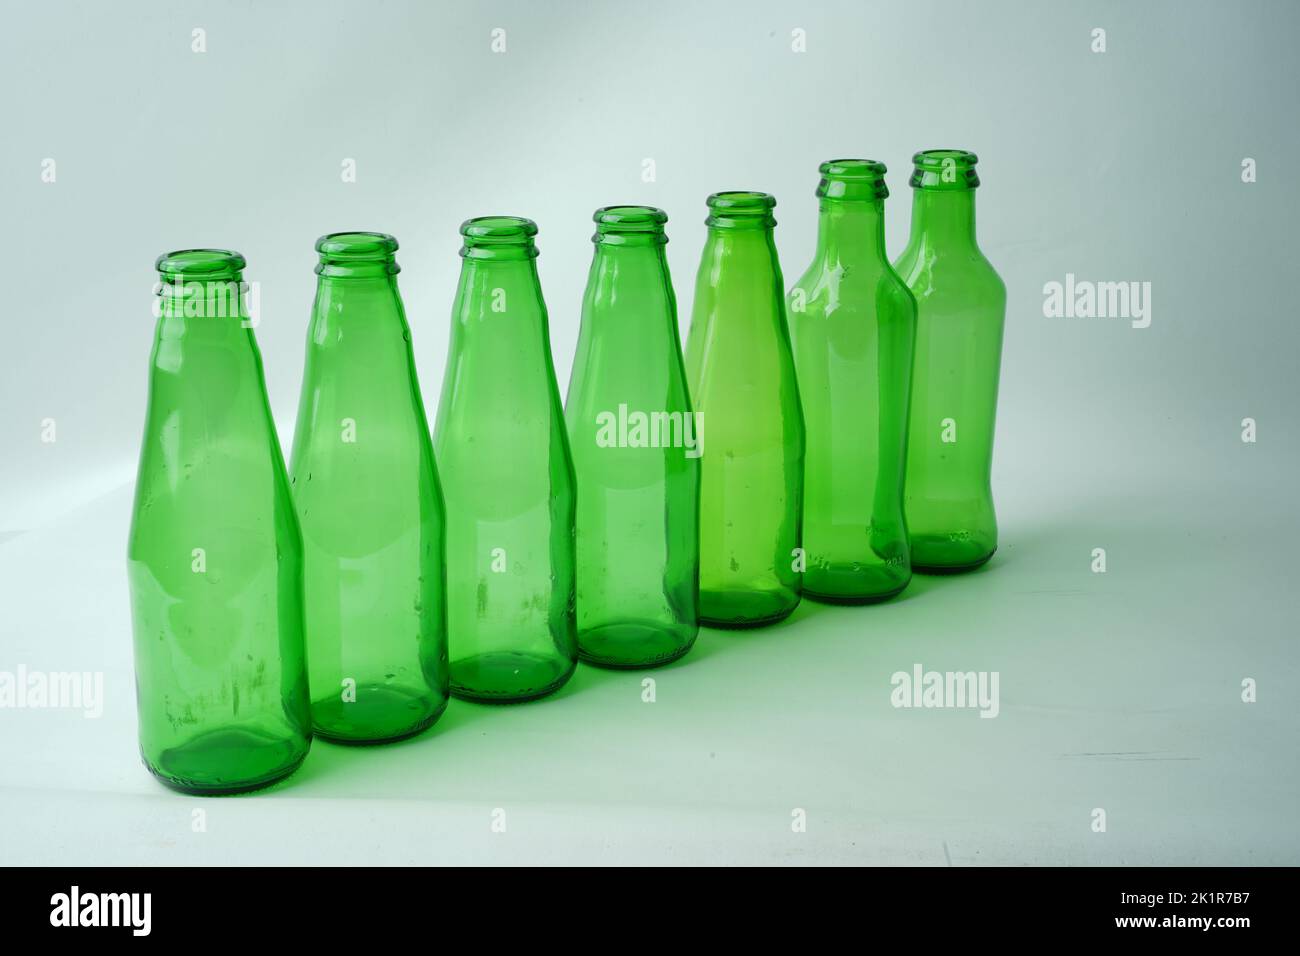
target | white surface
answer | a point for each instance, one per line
(1117, 691)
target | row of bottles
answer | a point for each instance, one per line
(384, 571)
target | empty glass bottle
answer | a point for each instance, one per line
(507, 476)
(636, 447)
(961, 305)
(852, 322)
(742, 381)
(369, 504)
(215, 556)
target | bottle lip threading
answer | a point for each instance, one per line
(741, 209)
(498, 237)
(629, 225)
(202, 283)
(944, 169)
(357, 254)
(201, 265)
(852, 180)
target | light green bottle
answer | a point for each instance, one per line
(742, 378)
(636, 450)
(215, 555)
(507, 476)
(853, 321)
(961, 306)
(369, 504)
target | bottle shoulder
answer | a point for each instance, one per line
(828, 288)
(927, 270)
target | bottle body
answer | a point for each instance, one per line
(742, 382)
(961, 309)
(507, 475)
(370, 506)
(214, 557)
(852, 323)
(636, 447)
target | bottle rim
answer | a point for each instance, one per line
(201, 264)
(741, 208)
(741, 202)
(499, 229)
(952, 169)
(629, 225)
(852, 168)
(498, 237)
(934, 158)
(630, 218)
(356, 245)
(852, 180)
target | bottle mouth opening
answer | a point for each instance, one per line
(852, 179)
(740, 202)
(945, 169)
(356, 246)
(630, 219)
(499, 230)
(357, 255)
(937, 157)
(741, 208)
(201, 264)
(629, 225)
(852, 169)
(489, 237)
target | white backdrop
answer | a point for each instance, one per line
(1119, 691)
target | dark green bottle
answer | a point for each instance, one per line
(742, 379)
(853, 321)
(507, 477)
(636, 448)
(369, 504)
(215, 556)
(961, 306)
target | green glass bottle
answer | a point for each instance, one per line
(369, 505)
(852, 322)
(507, 476)
(636, 448)
(742, 379)
(961, 306)
(215, 556)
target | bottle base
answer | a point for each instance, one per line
(742, 610)
(854, 599)
(850, 582)
(952, 552)
(222, 762)
(632, 645)
(379, 715)
(508, 677)
(941, 568)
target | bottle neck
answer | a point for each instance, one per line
(359, 301)
(850, 229)
(741, 258)
(642, 264)
(205, 335)
(747, 237)
(945, 216)
(500, 350)
(499, 313)
(739, 267)
(629, 295)
(495, 294)
(357, 298)
(209, 310)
